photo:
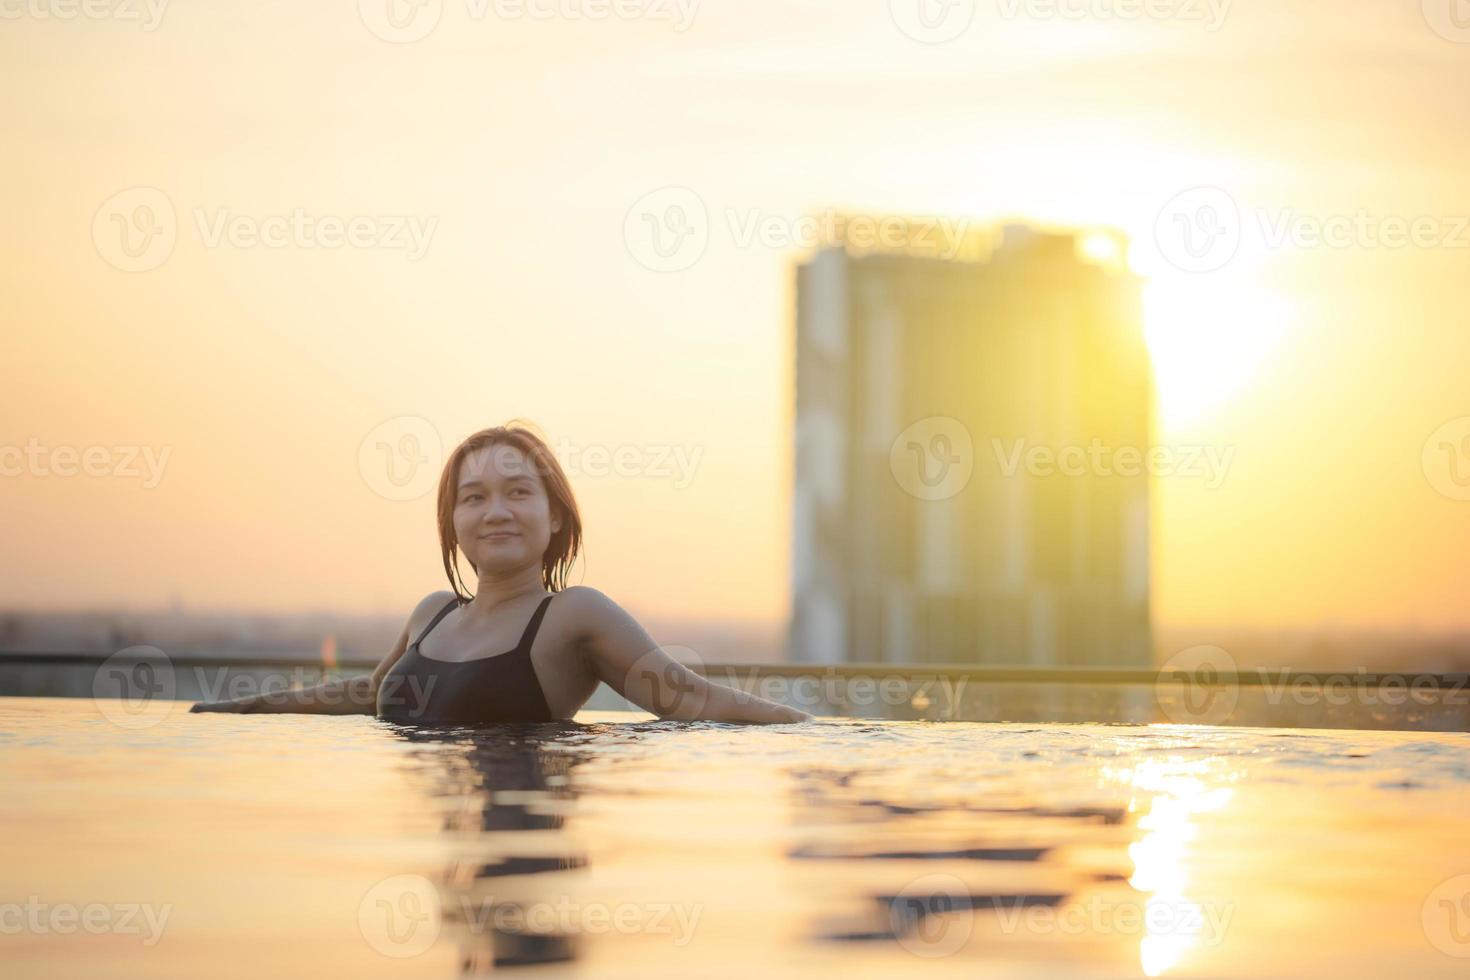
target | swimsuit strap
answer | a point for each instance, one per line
(435, 621)
(529, 636)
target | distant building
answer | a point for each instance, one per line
(928, 525)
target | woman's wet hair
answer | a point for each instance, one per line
(565, 544)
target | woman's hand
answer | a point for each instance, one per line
(792, 716)
(334, 696)
(238, 706)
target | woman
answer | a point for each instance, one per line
(506, 504)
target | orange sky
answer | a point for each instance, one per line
(262, 369)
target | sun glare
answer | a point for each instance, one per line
(1208, 341)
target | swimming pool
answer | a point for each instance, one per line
(217, 845)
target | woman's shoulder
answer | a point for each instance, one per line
(583, 599)
(582, 604)
(435, 601)
(584, 610)
(428, 607)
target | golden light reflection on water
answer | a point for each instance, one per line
(278, 844)
(1171, 793)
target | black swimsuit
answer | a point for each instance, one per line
(504, 687)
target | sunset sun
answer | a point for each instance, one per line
(1208, 341)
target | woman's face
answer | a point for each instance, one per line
(502, 514)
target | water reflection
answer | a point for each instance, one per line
(1169, 795)
(297, 844)
(505, 793)
(942, 873)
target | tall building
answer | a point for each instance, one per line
(960, 493)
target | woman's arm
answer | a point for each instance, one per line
(337, 696)
(619, 652)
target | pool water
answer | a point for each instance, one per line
(214, 845)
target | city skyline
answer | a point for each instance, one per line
(1324, 369)
(911, 541)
